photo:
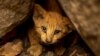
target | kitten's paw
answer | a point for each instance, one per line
(35, 50)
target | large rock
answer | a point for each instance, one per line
(85, 15)
(12, 13)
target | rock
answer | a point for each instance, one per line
(85, 15)
(78, 50)
(49, 53)
(12, 13)
(11, 48)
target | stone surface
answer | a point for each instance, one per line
(12, 13)
(85, 15)
(11, 48)
(49, 53)
(77, 50)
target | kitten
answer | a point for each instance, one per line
(49, 28)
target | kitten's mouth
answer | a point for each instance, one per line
(47, 44)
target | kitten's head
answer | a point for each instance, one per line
(51, 26)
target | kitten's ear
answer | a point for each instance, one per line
(70, 28)
(38, 12)
(68, 24)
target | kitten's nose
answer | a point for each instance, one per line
(48, 41)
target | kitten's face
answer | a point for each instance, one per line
(51, 27)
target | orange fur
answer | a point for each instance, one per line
(52, 21)
(50, 26)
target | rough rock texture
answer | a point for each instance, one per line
(49, 53)
(11, 48)
(12, 13)
(85, 15)
(77, 51)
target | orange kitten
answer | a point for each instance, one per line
(49, 28)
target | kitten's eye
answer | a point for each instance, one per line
(44, 29)
(57, 31)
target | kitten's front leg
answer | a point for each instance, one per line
(35, 50)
